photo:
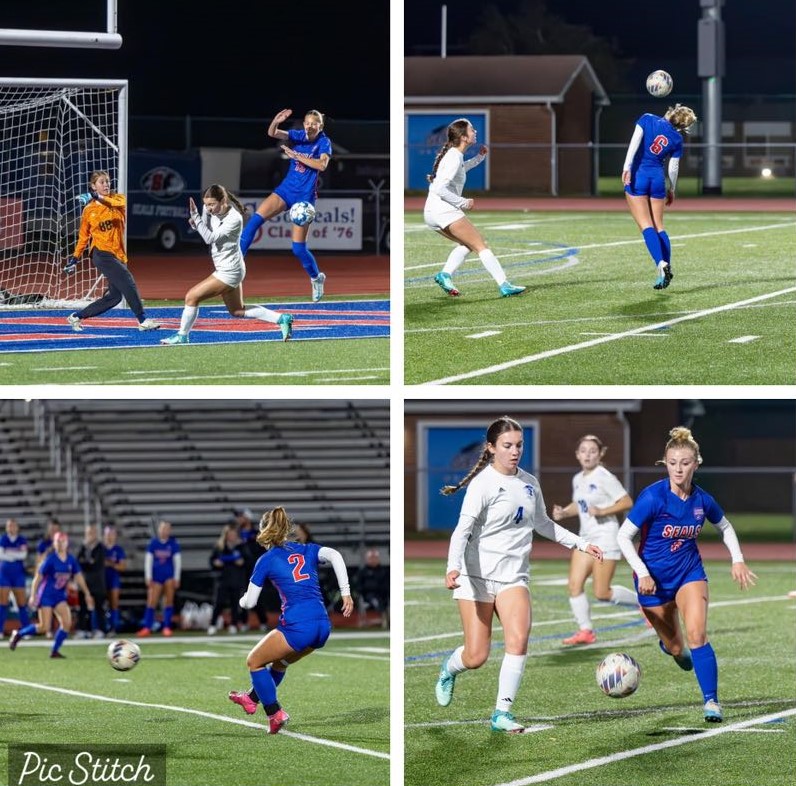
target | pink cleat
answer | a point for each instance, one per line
(277, 721)
(143, 633)
(167, 632)
(244, 700)
(581, 637)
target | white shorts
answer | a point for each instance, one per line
(606, 540)
(484, 590)
(230, 277)
(443, 216)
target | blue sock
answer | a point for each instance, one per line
(306, 258)
(653, 242)
(249, 231)
(167, 614)
(666, 245)
(264, 685)
(706, 669)
(277, 676)
(60, 637)
(3, 613)
(114, 619)
(94, 620)
(149, 617)
(24, 618)
(28, 630)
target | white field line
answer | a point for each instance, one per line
(189, 711)
(244, 375)
(544, 777)
(603, 340)
(577, 249)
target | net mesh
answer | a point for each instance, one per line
(51, 139)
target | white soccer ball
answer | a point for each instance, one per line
(618, 675)
(659, 84)
(123, 654)
(302, 213)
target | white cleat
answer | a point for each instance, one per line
(74, 321)
(317, 287)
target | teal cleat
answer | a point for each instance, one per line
(504, 721)
(177, 338)
(285, 323)
(507, 289)
(444, 687)
(444, 280)
(713, 712)
(665, 276)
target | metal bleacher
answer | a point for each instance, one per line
(192, 461)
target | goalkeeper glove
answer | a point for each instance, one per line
(71, 265)
(84, 199)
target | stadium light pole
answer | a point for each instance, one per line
(443, 44)
(710, 68)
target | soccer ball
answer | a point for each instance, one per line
(659, 84)
(123, 654)
(302, 213)
(618, 675)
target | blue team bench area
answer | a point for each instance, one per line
(42, 330)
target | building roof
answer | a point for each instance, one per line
(500, 79)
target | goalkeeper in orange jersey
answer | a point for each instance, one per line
(102, 231)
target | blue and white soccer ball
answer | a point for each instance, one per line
(123, 655)
(302, 213)
(618, 675)
(659, 84)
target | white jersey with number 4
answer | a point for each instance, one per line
(598, 488)
(494, 535)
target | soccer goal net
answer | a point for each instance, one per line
(53, 135)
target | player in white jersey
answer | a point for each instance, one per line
(445, 208)
(488, 564)
(220, 226)
(597, 498)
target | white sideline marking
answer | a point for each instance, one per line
(550, 775)
(485, 334)
(742, 339)
(692, 729)
(200, 713)
(605, 339)
(639, 335)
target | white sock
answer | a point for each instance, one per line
(509, 681)
(189, 315)
(263, 313)
(580, 608)
(455, 259)
(622, 596)
(455, 665)
(492, 265)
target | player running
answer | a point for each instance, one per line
(220, 226)
(304, 625)
(597, 498)
(309, 151)
(655, 140)
(48, 594)
(667, 568)
(102, 231)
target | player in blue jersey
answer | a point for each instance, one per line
(115, 565)
(162, 570)
(668, 570)
(309, 151)
(304, 625)
(48, 594)
(655, 141)
(13, 553)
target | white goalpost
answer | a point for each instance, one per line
(53, 134)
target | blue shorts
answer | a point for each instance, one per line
(112, 579)
(668, 581)
(12, 574)
(162, 578)
(52, 598)
(647, 182)
(293, 195)
(307, 633)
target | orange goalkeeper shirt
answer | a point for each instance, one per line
(102, 226)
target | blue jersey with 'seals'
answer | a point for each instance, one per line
(669, 527)
(293, 569)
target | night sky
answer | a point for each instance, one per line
(220, 59)
(760, 36)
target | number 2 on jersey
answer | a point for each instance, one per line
(297, 561)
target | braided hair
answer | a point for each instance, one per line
(456, 130)
(496, 428)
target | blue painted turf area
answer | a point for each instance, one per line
(47, 330)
